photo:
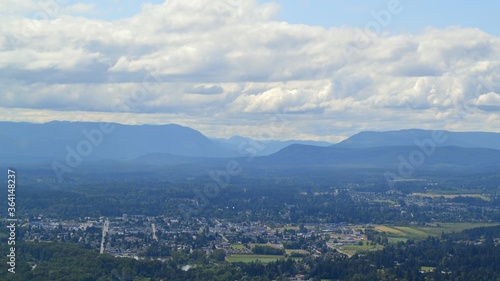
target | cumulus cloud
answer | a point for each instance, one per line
(489, 101)
(231, 62)
(206, 90)
(18, 7)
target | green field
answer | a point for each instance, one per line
(250, 258)
(362, 248)
(401, 233)
(427, 268)
(412, 232)
(389, 230)
(437, 228)
(252, 245)
(352, 249)
(237, 246)
(396, 239)
(296, 251)
(452, 195)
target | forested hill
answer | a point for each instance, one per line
(412, 137)
(445, 157)
(54, 141)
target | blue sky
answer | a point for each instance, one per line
(416, 15)
(330, 68)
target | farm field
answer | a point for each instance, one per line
(352, 249)
(427, 268)
(401, 233)
(451, 196)
(288, 251)
(251, 258)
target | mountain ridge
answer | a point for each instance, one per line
(70, 143)
(55, 140)
(387, 157)
(367, 139)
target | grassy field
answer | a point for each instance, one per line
(437, 228)
(252, 245)
(427, 268)
(412, 232)
(352, 249)
(389, 230)
(362, 248)
(250, 258)
(237, 246)
(401, 233)
(289, 251)
(450, 196)
(396, 239)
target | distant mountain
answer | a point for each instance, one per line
(54, 141)
(249, 147)
(70, 142)
(444, 157)
(409, 137)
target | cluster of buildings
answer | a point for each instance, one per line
(139, 236)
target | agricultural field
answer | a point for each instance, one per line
(288, 251)
(451, 196)
(394, 240)
(389, 230)
(402, 233)
(252, 245)
(361, 248)
(412, 232)
(251, 258)
(350, 250)
(427, 268)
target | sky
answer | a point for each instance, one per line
(294, 69)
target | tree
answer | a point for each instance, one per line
(218, 255)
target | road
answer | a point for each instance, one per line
(153, 228)
(105, 230)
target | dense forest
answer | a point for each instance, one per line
(335, 197)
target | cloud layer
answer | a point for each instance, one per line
(228, 67)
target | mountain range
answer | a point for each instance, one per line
(409, 137)
(172, 144)
(249, 147)
(25, 142)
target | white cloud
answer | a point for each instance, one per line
(17, 7)
(230, 62)
(489, 101)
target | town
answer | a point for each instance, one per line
(139, 236)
